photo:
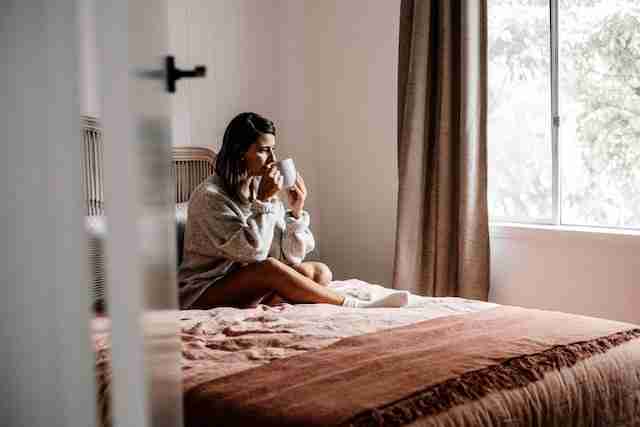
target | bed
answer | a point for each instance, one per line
(437, 362)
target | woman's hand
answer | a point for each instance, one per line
(270, 183)
(297, 196)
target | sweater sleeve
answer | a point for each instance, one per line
(297, 240)
(227, 233)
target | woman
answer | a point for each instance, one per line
(241, 247)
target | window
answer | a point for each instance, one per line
(564, 112)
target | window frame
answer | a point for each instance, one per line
(555, 221)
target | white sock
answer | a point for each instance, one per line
(395, 299)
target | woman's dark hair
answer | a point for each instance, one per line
(242, 131)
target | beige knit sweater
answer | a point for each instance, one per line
(224, 233)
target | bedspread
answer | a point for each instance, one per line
(224, 341)
(508, 366)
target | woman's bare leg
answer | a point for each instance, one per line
(316, 271)
(254, 281)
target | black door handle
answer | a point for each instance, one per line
(173, 74)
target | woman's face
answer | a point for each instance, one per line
(260, 154)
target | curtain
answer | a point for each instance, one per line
(442, 243)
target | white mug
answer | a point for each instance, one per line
(288, 171)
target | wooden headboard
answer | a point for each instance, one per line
(92, 170)
(191, 166)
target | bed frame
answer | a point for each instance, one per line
(191, 166)
(92, 169)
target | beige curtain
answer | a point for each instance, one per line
(442, 246)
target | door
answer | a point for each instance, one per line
(132, 40)
(46, 363)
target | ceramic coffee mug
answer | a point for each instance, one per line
(288, 171)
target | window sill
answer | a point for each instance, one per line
(518, 231)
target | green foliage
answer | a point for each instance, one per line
(607, 66)
(520, 169)
(599, 103)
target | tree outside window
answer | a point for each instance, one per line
(599, 108)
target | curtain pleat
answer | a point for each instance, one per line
(442, 246)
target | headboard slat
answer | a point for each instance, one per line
(191, 166)
(92, 166)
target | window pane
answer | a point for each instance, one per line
(519, 116)
(600, 110)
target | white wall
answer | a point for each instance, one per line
(333, 72)
(294, 56)
(255, 53)
(321, 71)
(592, 273)
(236, 40)
(352, 120)
(307, 66)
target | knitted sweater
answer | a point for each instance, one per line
(223, 233)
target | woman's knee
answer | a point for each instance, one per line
(316, 271)
(322, 274)
(306, 269)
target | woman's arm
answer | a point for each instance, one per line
(297, 239)
(225, 232)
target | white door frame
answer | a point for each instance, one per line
(132, 42)
(46, 361)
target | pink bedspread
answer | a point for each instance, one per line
(223, 341)
(508, 366)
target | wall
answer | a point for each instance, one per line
(586, 272)
(236, 40)
(255, 53)
(321, 71)
(352, 120)
(294, 104)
